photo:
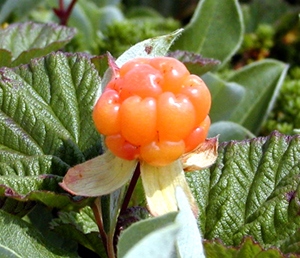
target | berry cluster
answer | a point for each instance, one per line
(153, 110)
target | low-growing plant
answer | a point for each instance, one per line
(68, 191)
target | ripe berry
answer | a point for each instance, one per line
(153, 110)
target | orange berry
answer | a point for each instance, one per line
(153, 110)
(142, 80)
(198, 93)
(128, 66)
(106, 113)
(197, 136)
(161, 153)
(121, 148)
(138, 120)
(175, 116)
(173, 71)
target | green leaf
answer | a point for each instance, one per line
(159, 244)
(292, 243)
(195, 63)
(226, 97)
(228, 131)
(143, 238)
(262, 81)
(5, 57)
(29, 189)
(142, 229)
(80, 226)
(248, 249)
(30, 242)
(158, 46)
(257, 14)
(189, 240)
(28, 40)
(40, 218)
(90, 20)
(252, 190)
(46, 124)
(18, 8)
(217, 27)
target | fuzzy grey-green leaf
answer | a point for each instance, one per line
(215, 30)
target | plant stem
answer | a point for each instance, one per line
(130, 189)
(63, 14)
(97, 210)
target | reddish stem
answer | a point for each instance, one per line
(130, 189)
(62, 14)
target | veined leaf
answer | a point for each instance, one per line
(253, 189)
(248, 249)
(46, 124)
(14, 230)
(28, 40)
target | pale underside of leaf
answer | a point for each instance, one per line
(160, 184)
(189, 240)
(99, 176)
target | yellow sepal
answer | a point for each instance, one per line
(160, 184)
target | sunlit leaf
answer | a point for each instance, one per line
(251, 190)
(29, 40)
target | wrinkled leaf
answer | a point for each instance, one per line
(28, 40)
(248, 249)
(14, 230)
(46, 124)
(215, 30)
(252, 189)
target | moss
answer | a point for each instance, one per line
(285, 116)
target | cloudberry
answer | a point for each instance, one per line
(153, 110)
